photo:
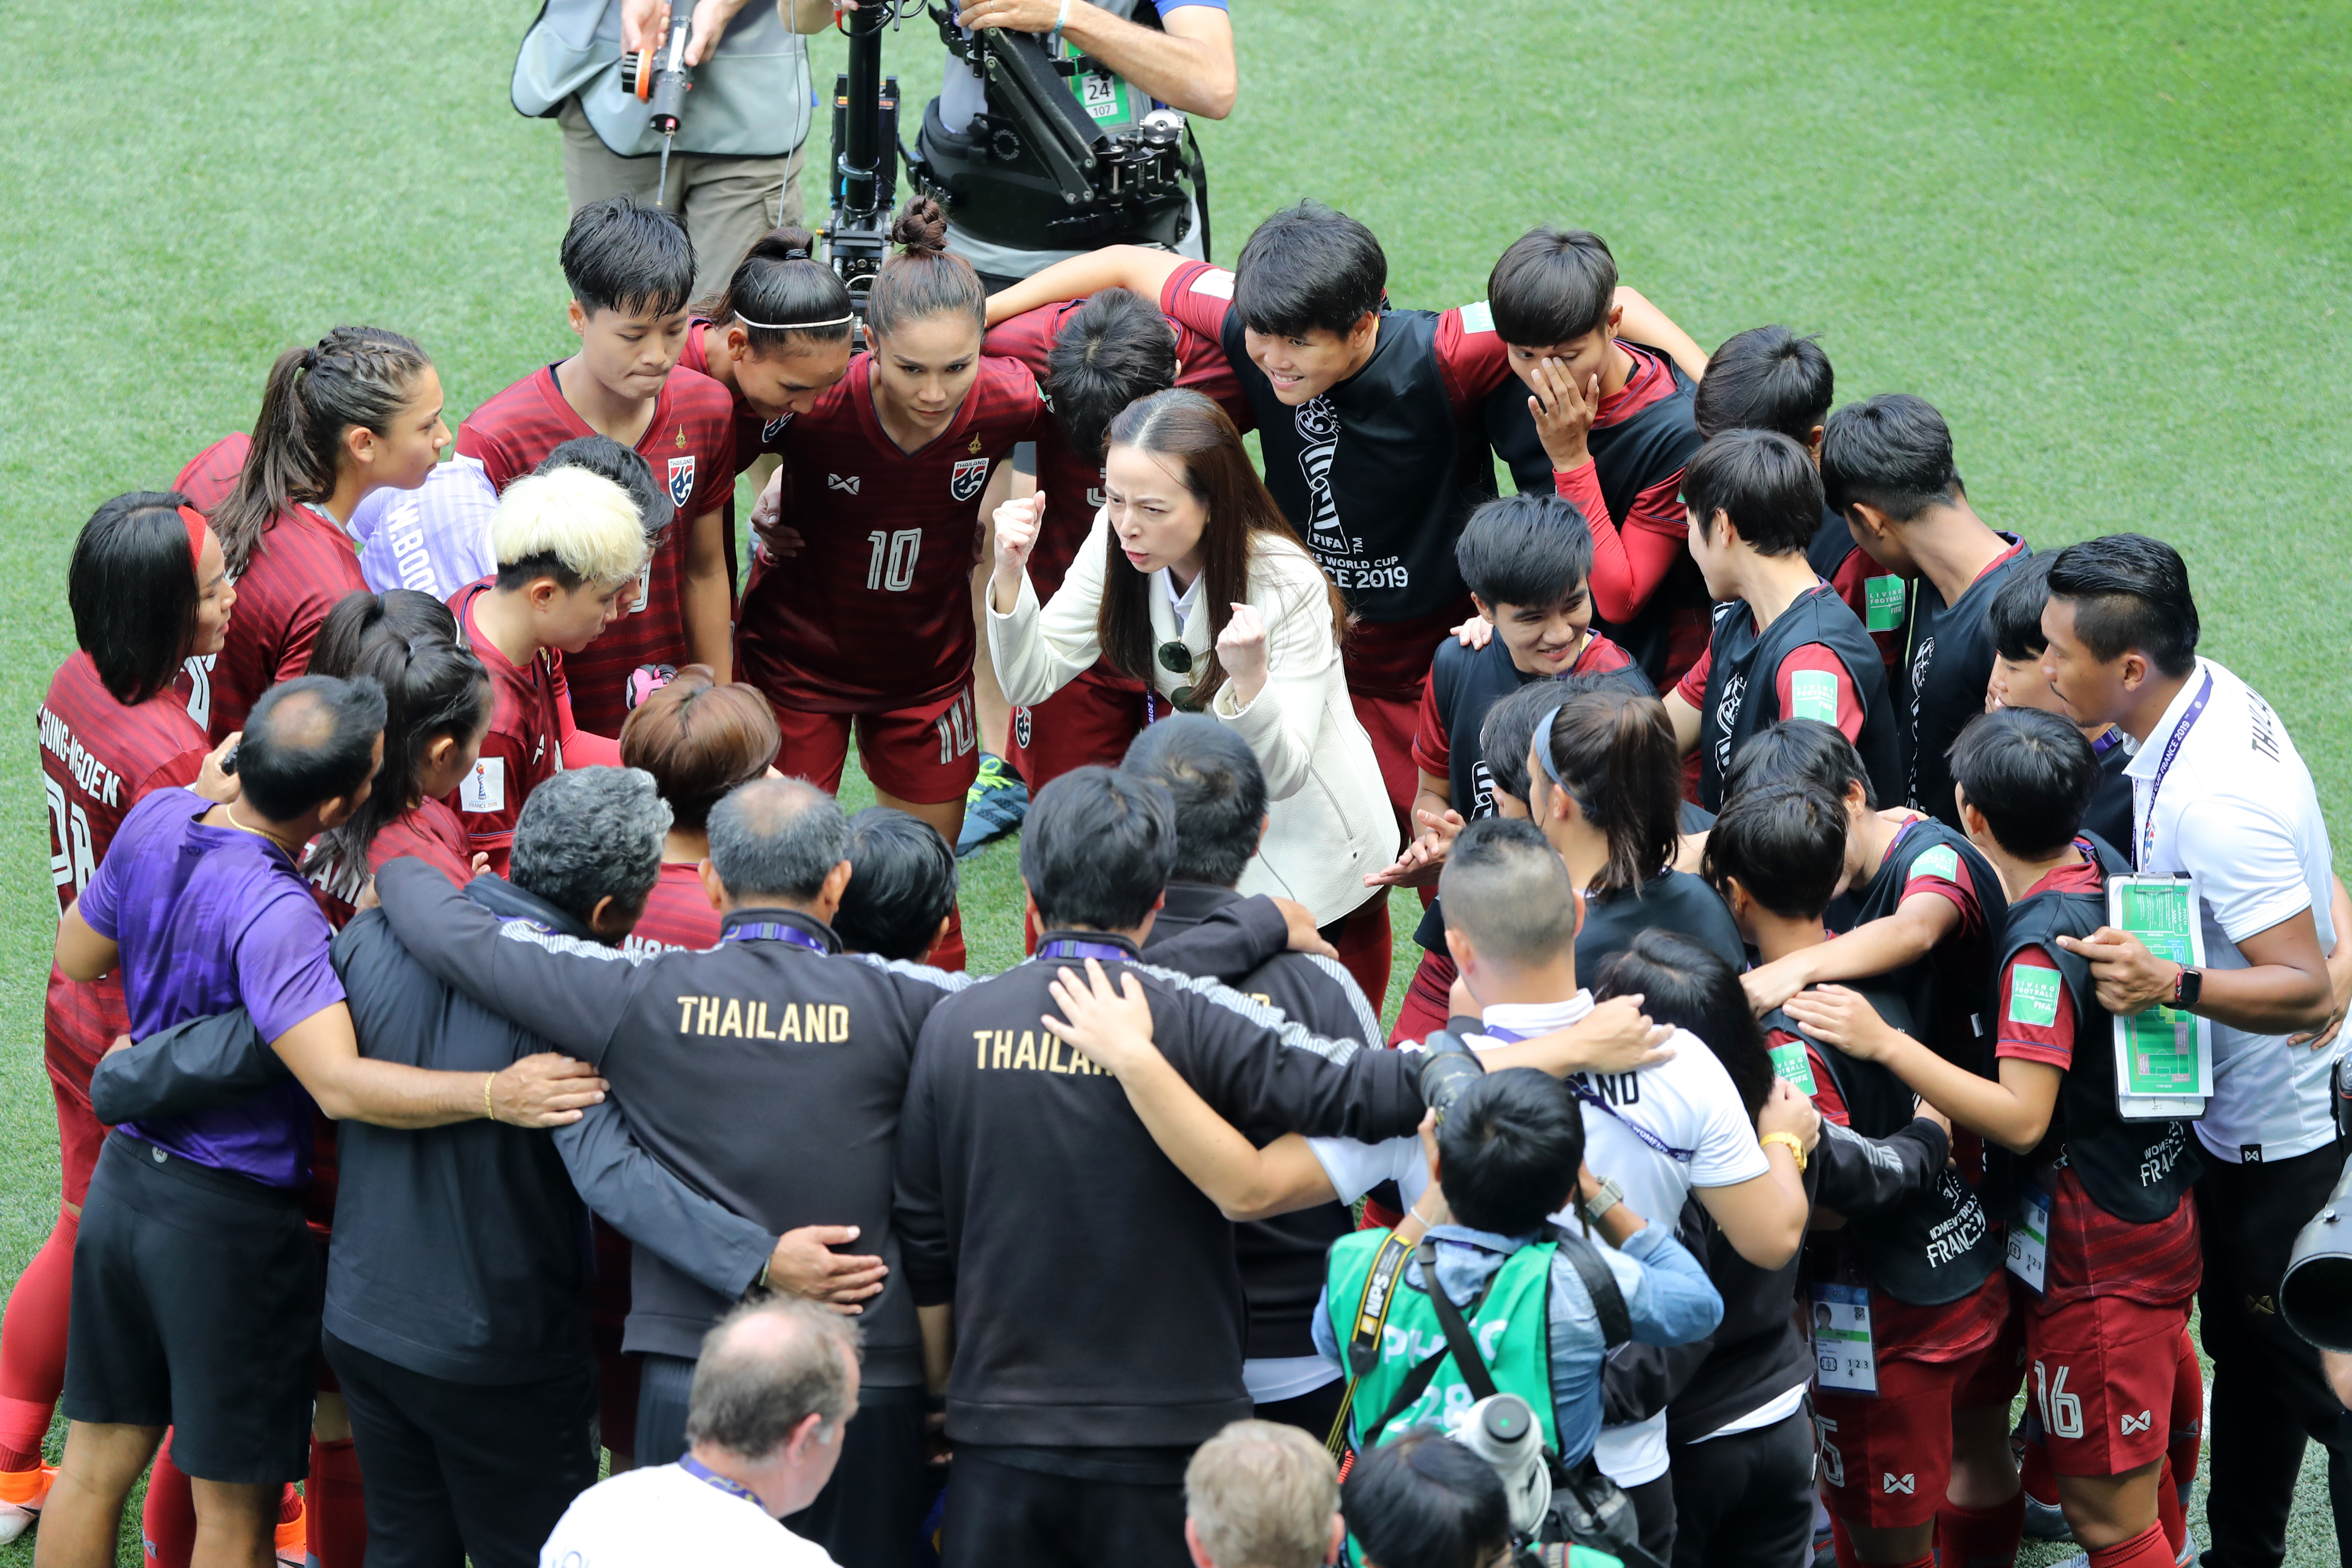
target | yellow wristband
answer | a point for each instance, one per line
(491, 1112)
(1796, 1146)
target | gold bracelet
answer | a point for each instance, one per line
(1796, 1146)
(492, 1111)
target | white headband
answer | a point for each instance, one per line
(793, 326)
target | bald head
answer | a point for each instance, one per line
(1506, 890)
(308, 741)
(766, 1369)
(777, 839)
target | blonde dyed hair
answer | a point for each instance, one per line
(574, 523)
(1262, 1496)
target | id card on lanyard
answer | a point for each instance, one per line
(1843, 1358)
(2029, 1237)
(2162, 1053)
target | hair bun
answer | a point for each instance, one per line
(920, 228)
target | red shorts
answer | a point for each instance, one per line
(1390, 723)
(923, 754)
(1425, 1008)
(78, 1024)
(79, 1133)
(1992, 1383)
(1091, 719)
(1887, 1460)
(1386, 662)
(2101, 1372)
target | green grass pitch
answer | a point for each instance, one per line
(2109, 241)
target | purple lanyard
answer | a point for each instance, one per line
(2107, 742)
(1070, 948)
(774, 931)
(709, 1476)
(2164, 766)
(1658, 1144)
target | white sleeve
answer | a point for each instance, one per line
(1724, 1145)
(2248, 869)
(1284, 721)
(1038, 650)
(1355, 1169)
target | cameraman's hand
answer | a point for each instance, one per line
(1013, 16)
(645, 25)
(805, 1265)
(1018, 524)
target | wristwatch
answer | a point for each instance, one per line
(2187, 986)
(1611, 1192)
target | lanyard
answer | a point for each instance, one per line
(774, 930)
(2107, 742)
(1109, 952)
(1656, 1143)
(2164, 766)
(709, 1476)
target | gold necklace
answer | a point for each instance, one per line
(229, 811)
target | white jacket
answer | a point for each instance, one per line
(1330, 824)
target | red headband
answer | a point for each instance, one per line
(196, 526)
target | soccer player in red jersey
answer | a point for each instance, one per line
(1768, 378)
(436, 715)
(358, 412)
(1364, 417)
(1918, 1458)
(775, 339)
(631, 270)
(1572, 335)
(699, 738)
(1093, 357)
(1783, 645)
(2108, 1283)
(569, 543)
(148, 588)
(867, 622)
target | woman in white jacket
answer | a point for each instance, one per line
(1193, 582)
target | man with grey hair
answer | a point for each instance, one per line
(1262, 1495)
(768, 1072)
(774, 1390)
(456, 1313)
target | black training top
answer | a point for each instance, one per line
(1672, 900)
(1098, 1303)
(1743, 689)
(1281, 1259)
(1940, 683)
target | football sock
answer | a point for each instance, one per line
(168, 1520)
(1980, 1537)
(290, 1504)
(337, 1511)
(2145, 1549)
(33, 1348)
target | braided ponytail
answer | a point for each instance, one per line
(353, 375)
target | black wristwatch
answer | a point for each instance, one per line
(2187, 987)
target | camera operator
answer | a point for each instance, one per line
(735, 168)
(1424, 1503)
(1136, 55)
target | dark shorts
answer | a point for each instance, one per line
(196, 1300)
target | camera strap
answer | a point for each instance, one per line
(1458, 1344)
(1364, 1351)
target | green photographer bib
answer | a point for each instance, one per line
(1511, 1325)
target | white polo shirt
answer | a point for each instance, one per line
(662, 1516)
(2238, 809)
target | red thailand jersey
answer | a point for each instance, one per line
(430, 831)
(99, 759)
(1901, 1330)
(302, 566)
(752, 433)
(875, 612)
(677, 914)
(1072, 484)
(690, 445)
(2091, 1252)
(524, 747)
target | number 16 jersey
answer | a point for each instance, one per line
(873, 614)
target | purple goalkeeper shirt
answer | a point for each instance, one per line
(210, 918)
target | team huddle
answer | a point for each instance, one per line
(1778, 827)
